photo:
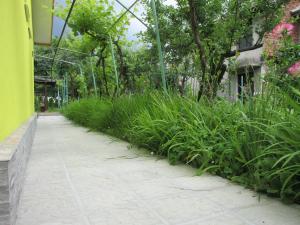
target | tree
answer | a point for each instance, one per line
(42, 66)
(219, 24)
(176, 42)
(98, 20)
(204, 33)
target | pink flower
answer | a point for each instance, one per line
(278, 31)
(294, 70)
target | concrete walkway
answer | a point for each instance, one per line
(76, 177)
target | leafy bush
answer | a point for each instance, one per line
(256, 144)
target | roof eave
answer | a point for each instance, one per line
(296, 11)
(42, 21)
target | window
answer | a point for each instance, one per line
(245, 85)
(246, 42)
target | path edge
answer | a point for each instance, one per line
(14, 154)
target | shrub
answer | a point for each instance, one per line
(256, 144)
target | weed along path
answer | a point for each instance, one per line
(76, 177)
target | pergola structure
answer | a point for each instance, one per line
(64, 92)
(45, 81)
(127, 10)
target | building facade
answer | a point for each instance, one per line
(16, 65)
(23, 24)
(249, 69)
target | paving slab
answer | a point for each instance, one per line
(78, 177)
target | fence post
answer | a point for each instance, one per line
(114, 64)
(93, 76)
(63, 91)
(66, 88)
(160, 53)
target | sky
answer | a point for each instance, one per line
(134, 28)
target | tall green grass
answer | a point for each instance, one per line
(256, 144)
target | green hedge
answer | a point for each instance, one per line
(256, 144)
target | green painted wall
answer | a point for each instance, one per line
(16, 66)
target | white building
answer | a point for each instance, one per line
(245, 73)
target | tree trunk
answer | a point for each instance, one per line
(123, 68)
(104, 75)
(203, 83)
(100, 86)
(102, 61)
(197, 39)
(182, 85)
(200, 92)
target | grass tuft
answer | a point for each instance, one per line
(256, 144)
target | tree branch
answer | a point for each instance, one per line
(194, 26)
(95, 36)
(233, 53)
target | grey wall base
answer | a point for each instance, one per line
(14, 154)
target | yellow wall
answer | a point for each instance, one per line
(16, 66)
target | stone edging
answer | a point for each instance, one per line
(14, 154)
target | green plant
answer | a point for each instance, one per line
(255, 144)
